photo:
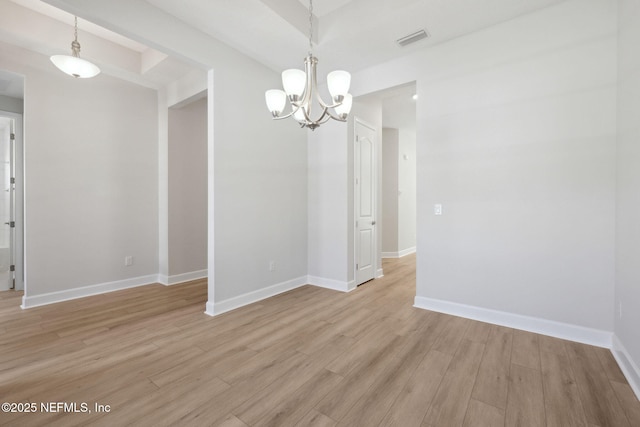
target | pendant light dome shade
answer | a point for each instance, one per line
(75, 66)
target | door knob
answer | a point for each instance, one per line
(373, 223)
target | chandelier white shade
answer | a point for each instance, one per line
(301, 90)
(73, 64)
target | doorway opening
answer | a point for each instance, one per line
(399, 172)
(394, 163)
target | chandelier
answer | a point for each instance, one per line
(301, 89)
(72, 64)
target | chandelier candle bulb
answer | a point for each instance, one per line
(276, 101)
(294, 82)
(338, 83)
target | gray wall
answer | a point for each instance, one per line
(516, 138)
(517, 141)
(627, 304)
(406, 190)
(91, 185)
(12, 105)
(188, 188)
(257, 168)
(390, 186)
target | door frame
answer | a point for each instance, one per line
(19, 278)
(354, 259)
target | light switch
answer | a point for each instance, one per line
(437, 209)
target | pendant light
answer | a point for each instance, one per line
(301, 90)
(73, 64)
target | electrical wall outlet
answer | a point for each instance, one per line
(128, 260)
(272, 266)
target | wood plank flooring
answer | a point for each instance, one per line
(308, 357)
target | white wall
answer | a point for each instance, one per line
(390, 188)
(187, 157)
(406, 190)
(257, 168)
(516, 138)
(398, 192)
(260, 185)
(328, 198)
(330, 195)
(91, 177)
(628, 198)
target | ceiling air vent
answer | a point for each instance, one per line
(412, 38)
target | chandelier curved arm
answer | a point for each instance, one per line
(334, 117)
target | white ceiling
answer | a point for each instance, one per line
(349, 34)
(324, 7)
(352, 34)
(83, 25)
(39, 27)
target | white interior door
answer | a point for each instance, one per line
(364, 195)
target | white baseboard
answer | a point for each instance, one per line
(335, 285)
(379, 273)
(85, 291)
(181, 278)
(215, 308)
(627, 365)
(210, 309)
(552, 328)
(399, 254)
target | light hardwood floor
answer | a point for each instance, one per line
(308, 357)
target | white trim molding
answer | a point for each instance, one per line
(399, 254)
(85, 291)
(336, 285)
(215, 308)
(552, 328)
(627, 365)
(181, 278)
(379, 273)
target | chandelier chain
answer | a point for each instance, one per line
(75, 27)
(310, 26)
